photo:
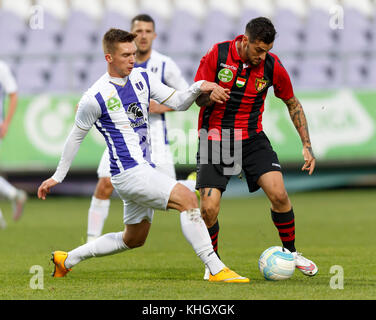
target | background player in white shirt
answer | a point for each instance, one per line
(8, 87)
(169, 73)
(117, 104)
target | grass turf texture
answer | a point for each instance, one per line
(332, 228)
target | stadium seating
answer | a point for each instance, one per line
(310, 47)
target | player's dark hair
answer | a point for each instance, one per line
(143, 17)
(261, 29)
(113, 36)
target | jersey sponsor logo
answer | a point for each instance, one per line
(240, 82)
(154, 69)
(228, 66)
(260, 84)
(225, 75)
(113, 104)
(135, 115)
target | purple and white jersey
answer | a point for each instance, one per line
(118, 107)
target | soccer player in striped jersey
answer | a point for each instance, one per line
(117, 105)
(247, 68)
(8, 87)
(169, 73)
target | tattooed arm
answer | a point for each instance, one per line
(300, 122)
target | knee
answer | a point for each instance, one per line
(134, 243)
(209, 213)
(280, 199)
(104, 188)
(190, 200)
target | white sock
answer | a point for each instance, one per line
(7, 190)
(196, 233)
(109, 243)
(190, 184)
(98, 213)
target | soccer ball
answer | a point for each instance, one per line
(276, 263)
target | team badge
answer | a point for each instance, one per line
(113, 104)
(240, 82)
(260, 84)
(225, 75)
(139, 85)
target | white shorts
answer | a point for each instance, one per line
(142, 189)
(103, 170)
(163, 161)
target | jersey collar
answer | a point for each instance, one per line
(118, 81)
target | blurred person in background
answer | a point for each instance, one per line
(169, 73)
(247, 68)
(8, 89)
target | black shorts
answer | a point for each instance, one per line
(256, 158)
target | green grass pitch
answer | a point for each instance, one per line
(332, 228)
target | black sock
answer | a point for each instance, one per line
(213, 232)
(285, 224)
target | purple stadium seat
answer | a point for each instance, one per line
(246, 16)
(68, 76)
(184, 30)
(44, 41)
(218, 27)
(320, 72)
(33, 75)
(96, 69)
(358, 72)
(357, 32)
(12, 31)
(79, 34)
(112, 19)
(188, 66)
(319, 36)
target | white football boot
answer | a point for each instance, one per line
(307, 267)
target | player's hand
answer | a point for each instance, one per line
(217, 93)
(45, 188)
(155, 107)
(309, 160)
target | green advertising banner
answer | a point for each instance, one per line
(342, 127)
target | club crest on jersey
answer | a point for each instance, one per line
(135, 115)
(225, 75)
(139, 85)
(260, 84)
(113, 104)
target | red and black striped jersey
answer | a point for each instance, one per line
(248, 86)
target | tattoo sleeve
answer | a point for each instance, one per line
(299, 120)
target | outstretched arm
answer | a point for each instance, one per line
(300, 122)
(72, 144)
